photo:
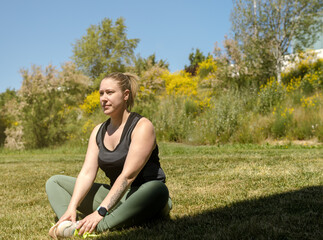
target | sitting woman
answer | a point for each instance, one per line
(125, 148)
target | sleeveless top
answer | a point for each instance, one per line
(112, 162)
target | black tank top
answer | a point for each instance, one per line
(111, 162)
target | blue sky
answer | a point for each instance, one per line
(42, 32)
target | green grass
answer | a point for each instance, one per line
(219, 192)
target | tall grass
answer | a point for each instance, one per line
(238, 117)
(184, 109)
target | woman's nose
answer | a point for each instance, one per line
(104, 96)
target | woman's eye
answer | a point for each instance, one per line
(105, 92)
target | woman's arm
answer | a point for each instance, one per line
(142, 144)
(85, 178)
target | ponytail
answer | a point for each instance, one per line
(133, 88)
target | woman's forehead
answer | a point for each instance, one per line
(109, 83)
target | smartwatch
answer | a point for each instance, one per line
(102, 211)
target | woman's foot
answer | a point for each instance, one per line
(64, 229)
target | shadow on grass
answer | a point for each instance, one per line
(290, 215)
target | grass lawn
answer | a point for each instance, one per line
(225, 192)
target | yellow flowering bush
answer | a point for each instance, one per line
(91, 102)
(284, 113)
(311, 81)
(207, 72)
(88, 126)
(206, 67)
(306, 76)
(180, 83)
(203, 104)
(294, 84)
(311, 102)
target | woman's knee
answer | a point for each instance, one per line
(50, 181)
(53, 181)
(158, 190)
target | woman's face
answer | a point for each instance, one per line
(112, 98)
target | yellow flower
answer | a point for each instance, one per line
(180, 83)
(91, 102)
(310, 101)
(206, 67)
(88, 126)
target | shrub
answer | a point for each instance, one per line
(306, 76)
(180, 83)
(253, 128)
(308, 118)
(301, 68)
(14, 137)
(311, 102)
(6, 117)
(47, 102)
(206, 67)
(311, 81)
(151, 84)
(148, 108)
(319, 132)
(219, 122)
(172, 121)
(270, 95)
(282, 121)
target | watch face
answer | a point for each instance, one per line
(102, 211)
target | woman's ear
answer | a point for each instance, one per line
(126, 94)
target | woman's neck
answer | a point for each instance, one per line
(119, 119)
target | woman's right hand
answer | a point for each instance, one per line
(69, 215)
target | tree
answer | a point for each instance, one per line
(142, 65)
(265, 29)
(195, 59)
(105, 48)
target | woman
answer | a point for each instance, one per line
(124, 147)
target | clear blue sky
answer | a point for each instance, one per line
(42, 32)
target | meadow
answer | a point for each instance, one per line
(219, 192)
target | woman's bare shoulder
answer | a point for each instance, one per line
(144, 127)
(95, 130)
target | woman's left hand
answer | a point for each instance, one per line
(89, 223)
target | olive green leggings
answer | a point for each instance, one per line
(139, 204)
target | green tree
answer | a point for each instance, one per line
(195, 59)
(142, 65)
(105, 48)
(239, 70)
(265, 29)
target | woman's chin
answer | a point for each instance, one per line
(107, 111)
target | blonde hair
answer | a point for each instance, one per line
(126, 81)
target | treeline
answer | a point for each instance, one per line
(243, 93)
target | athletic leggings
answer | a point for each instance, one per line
(138, 205)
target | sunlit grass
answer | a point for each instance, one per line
(224, 192)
